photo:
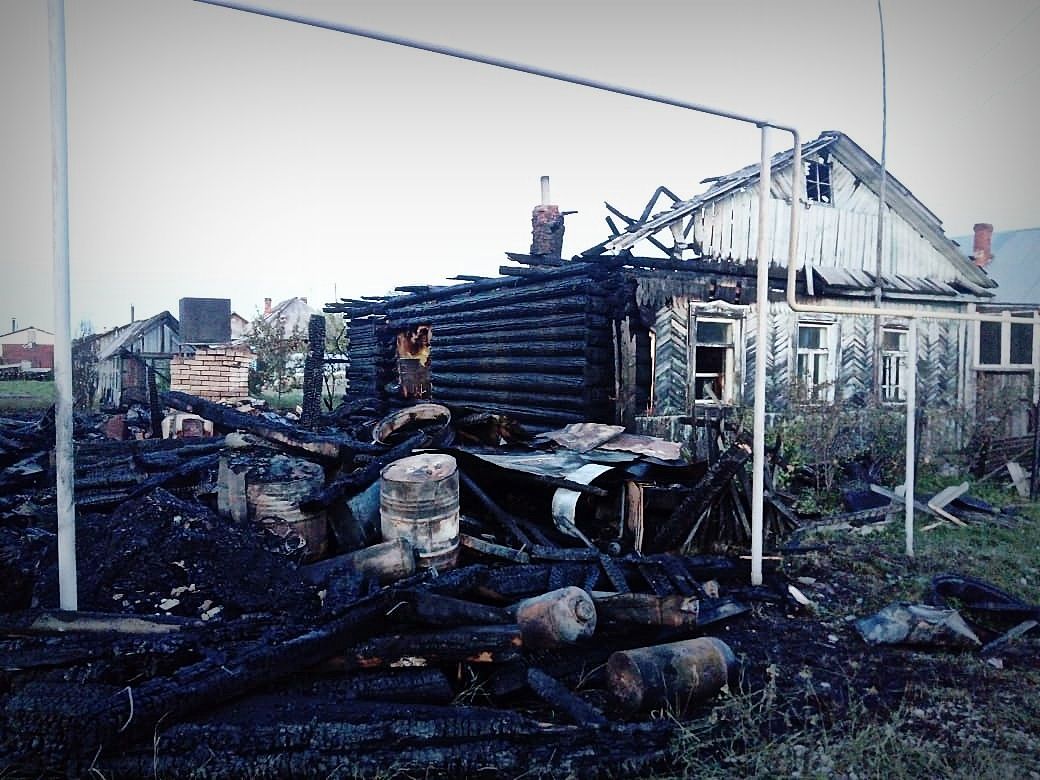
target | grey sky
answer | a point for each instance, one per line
(219, 154)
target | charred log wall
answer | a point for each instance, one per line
(538, 346)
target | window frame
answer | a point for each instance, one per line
(901, 357)
(728, 375)
(829, 351)
(822, 186)
(1006, 325)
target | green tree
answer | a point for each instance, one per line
(84, 367)
(276, 354)
(334, 375)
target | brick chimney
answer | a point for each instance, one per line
(981, 252)
(546, 226)
(267, 306)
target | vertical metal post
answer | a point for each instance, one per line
(911, 430)
(758, 449)
(67, 591)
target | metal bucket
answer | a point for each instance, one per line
(273, 493)
(419, 501)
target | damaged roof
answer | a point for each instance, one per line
(864, 167)
(135, 329)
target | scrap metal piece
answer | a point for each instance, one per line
(565, 502)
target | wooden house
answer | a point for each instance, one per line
(124, 355)
(662, 317)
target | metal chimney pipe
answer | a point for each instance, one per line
(546, 200)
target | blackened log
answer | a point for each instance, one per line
(188, 469)
(313, 368)
(550, 553)
(334, 447)
(511, 381)
(533, 401)
(614, 574)
(423, 685)
(506, 362)
(84, 723)
(553, 692)
(473, 644)
(566, 322)
(433, 609)
(357, 481)
(674, 531)
(504, 518)
(167, 459)
(526, 311)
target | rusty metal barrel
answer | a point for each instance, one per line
(670, 675)
(559, 617)
(419, 501)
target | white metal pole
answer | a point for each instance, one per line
(758, 450)
(911, 430)
(67, 591)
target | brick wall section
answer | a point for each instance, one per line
(39, 355)
(215, 372)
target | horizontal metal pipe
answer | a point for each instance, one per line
(497, 62)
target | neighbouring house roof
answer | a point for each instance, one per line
(866, 169)
(23, 330)
(1015, 266)
(134, 329)
(295, 312)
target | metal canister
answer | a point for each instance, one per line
(559, 617)
(419, 501)
(670, 675)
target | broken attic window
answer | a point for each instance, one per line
(893, 365)
(818, 181)
(713, 360)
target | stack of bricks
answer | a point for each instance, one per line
(214, 372)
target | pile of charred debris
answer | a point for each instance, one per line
(243, 613)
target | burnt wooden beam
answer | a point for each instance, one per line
(505, 519)
(472, 644)
(187, 469)
(633, 224)
(356, 481)
(543, 261)
(674, 531)
(333, 447)
(553, 692)
(433, 609)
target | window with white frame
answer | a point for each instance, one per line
(1007, 344)
(893, 364)
(712, 358)
(814, 369)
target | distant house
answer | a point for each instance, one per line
(28, 348)
(239, 326)
(293, 314)
(125, 353)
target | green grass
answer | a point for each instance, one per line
(25, 395)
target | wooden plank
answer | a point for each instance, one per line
(1020, 477)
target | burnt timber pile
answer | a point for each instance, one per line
(240, 649)
(536, 344)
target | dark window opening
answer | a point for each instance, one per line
(1021, 344)
(818, 181)
(989, 343)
